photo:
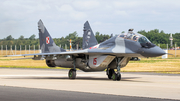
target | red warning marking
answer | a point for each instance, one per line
(94, 61)
(47, 40)
(93, 47)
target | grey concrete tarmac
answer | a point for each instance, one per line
(133, 85)
(31, 94)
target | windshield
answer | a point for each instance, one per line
(143, 39)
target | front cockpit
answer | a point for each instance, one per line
(145, 43)
(143, 39)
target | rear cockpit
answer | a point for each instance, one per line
(138, 38)
(131, 35)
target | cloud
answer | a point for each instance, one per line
(65, 8)
(86, 4)
(69, 11)
(20, 17)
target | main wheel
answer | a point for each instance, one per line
(114, 76)
(111, 71)
(118, 77)
(72, 74)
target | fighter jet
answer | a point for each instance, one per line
(110, 55)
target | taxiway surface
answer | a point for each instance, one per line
(94, 84)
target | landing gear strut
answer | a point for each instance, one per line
(117, 76)
(72, 72)
(118, 69)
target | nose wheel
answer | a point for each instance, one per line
(113, 75)
(110, 73)
(116, 76)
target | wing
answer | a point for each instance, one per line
(97, 51)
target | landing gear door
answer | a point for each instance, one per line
(100, 61)
(124, 61)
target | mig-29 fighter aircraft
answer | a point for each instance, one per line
(111, 54)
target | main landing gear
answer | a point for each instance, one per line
(72, 72)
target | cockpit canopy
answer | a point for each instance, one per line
(138, 38)
(143, 39)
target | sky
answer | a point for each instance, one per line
(61, 17)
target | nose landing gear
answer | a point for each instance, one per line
(110, 73)
(116, 75)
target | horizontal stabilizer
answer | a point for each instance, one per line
(22, 58)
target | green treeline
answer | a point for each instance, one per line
(25, 42)
(155, 36)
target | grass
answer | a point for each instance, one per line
(173, 53)
(13, 52)
(170, 65)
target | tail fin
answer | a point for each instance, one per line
(89, 39)
(47, 44)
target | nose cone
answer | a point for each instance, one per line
(153, 52)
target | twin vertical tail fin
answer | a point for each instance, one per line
(89, 39)
(47, 44)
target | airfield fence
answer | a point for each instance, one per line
(12, 50)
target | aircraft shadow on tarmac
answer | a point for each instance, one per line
(130, 79)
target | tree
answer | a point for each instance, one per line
(9, 37)
(155, 36)
(101, 37)
(21, 37)
(32, 37)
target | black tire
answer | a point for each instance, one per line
(111, 71)
(72, 74)
(114, 76)
(118, 77)
(109, 76)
